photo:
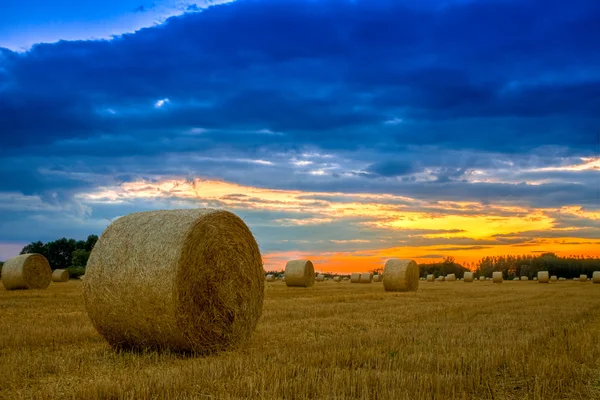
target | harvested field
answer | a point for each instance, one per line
(456, 341)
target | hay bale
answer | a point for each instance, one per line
(524, 278)
(430, 278)
(482, 278)
(366, 277)
(60, 275)
(468, 277)
(299, 273)
(516, 278)
(377, 278)
(355, 277)
(596, 277)
(543, 277)
(400, 275)
(497, 277)
(320, 278)
(185, 280)
(337, 278)
(583, 278)
(553, 278)
(345, 278)
(450, 278)
(82, 277)
(270, 278)
(27, 271)
(535, 278)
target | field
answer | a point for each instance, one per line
(516, 340)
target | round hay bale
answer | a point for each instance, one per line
(400, 275)
(355, 277)
(60, 275)
(345, 278)
(535, 278)
(524, 278)
(516, 278)
(482, 278)
(270, 278)
(337, 278)
(553, 278)
(366, 277)
(583, 278)
(430, 278)
(377, 278)
(299, 273)
(497, 277)
(27, 271)
(468, 277)
(185, 280)
(596, 277)
(543, 277)
(320, 278)
(451, 278)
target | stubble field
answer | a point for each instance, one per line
(515, 340)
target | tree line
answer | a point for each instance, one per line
(64, 253)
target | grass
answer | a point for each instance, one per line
(516, 340)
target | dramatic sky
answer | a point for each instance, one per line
(346, 131)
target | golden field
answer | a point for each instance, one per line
(515, 340)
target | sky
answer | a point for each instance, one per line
(343, 131)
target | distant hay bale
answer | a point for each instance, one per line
(553, 278)
(535, 278)
(583, 278)
(543, 277)
(430, 278)
(482, 278)
(377, 278)
(366, 277)
(299, 273)
(524, 278)
(596, 277)
(355, 277)
(400, 275)
(450, 278)
(320, 278)
(497, 277)
(60, 275)
(337, 278)
(270, 278)
(27, 271)
(345, 278)
(516, 278)
(468, 277)
(184, 280)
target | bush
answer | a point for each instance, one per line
(76, 272)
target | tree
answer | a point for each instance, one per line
(90, 242)
(35, 247)
(79, 258)
(59, 253)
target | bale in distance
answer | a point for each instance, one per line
(270, 278)
(60, 275)
(355, 277)
(468, 277)
(450, 278)
(183, 280)
(400, 275)
(482, 278)
(524, 278)
(553, 278)
(516, 278)
(543, 277)
(497, 277)
(366, 277)
(430, 278)
(320, 278)
(27, 271)
(535, 278)
(299, 273)
(596, 277)
(377, 278)
(583, 278)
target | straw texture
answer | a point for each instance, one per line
(320, 278)
(596, 277)
(451, 278)
(184, 280)
(355, 277)
(543, 277)
(366, 277)
(27, 271)
(553, 278)
(400, 275)
(430, 278)
(497, 277)
(582, 278)
(468, 277)
(377, 278)
(60, 275)
(299, 273)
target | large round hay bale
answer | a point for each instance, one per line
(320, 278)
(270, 278)
(596, 277)
(430, 278)
(543, 277)
(299, 273)
(451, 278)
(524, 278)
(184, 280)
(583, 278)
(355, 277)
(377, 278)
(27, 271)
(468, 277)
(366, 277)
(497, 277)
(60, 275)
(400, 275)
